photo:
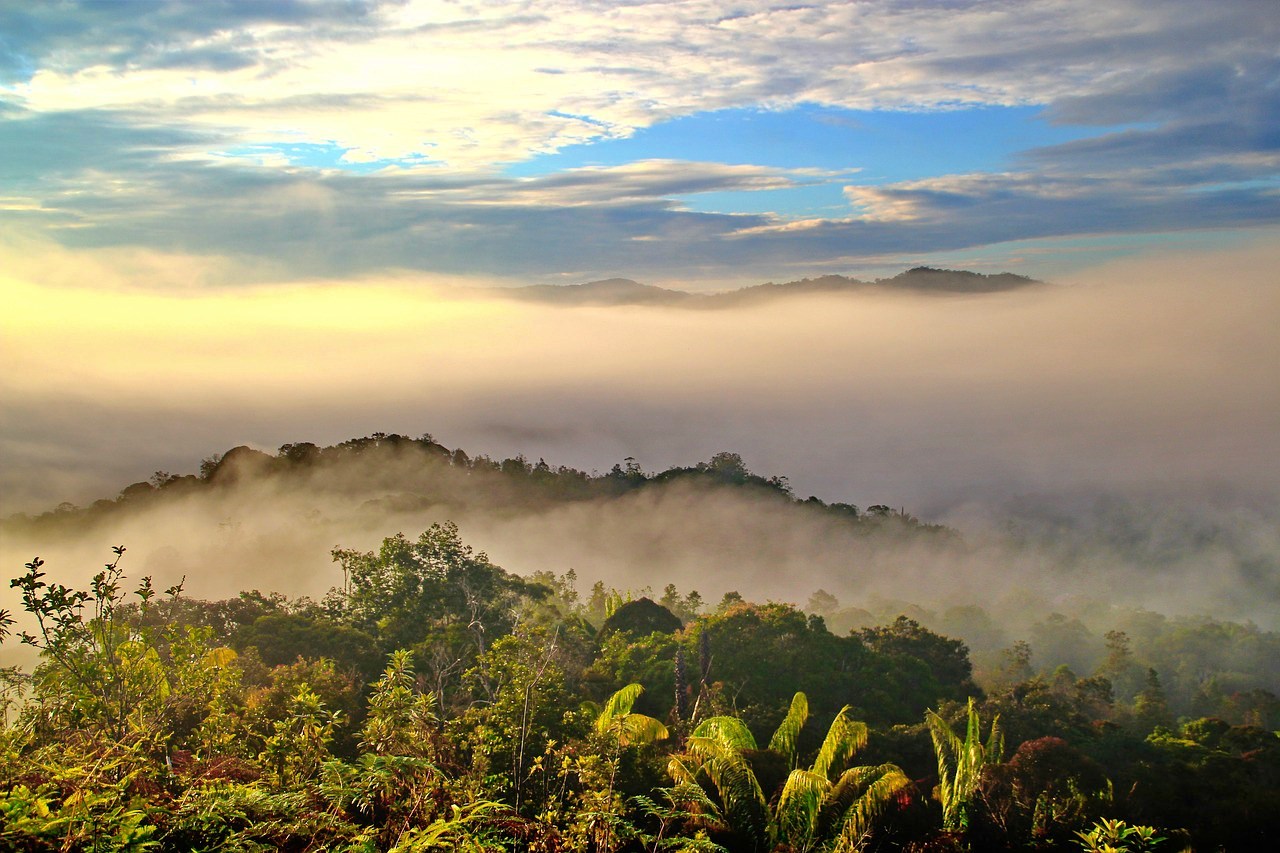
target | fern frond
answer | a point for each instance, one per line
(692, 796)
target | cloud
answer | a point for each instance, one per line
(641, 181)
(188, 129)
(590, 222)
(467, 85)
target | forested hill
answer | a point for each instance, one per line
(400, 474)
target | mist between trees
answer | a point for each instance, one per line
(252, 520)
(429, 698)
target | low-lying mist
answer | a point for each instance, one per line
(254, 529)
(1105, 442)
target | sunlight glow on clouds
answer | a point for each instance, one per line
(239, 129)
(468, 85)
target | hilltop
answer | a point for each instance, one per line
(395, 474)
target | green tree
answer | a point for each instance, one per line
(1150, 708)
(640, 618)
(522, 704)
(947, 659)
(434, 590)
(396, 783)
(282, 638)
(98, 669)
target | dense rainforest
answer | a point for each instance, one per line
(435, 700)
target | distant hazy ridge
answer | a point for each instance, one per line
(624, 291)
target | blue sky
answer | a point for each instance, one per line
(866, 146)
(675, 144)
(881, 146)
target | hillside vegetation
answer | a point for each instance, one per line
(433, 699)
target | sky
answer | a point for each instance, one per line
(701, 145)
(256, 222)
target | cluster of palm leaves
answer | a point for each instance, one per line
(821, 807)
(960, 764)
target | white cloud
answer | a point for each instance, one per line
(469, 84)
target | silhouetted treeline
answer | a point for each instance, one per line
(421, 473)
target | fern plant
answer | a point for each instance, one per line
(684, 805)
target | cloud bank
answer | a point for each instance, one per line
(1146, 375)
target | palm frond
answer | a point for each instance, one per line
(879, 787)
(744, 803)
(700, 750)
(796, 815)
(788, 733)
(729, 731)
(960, 763)
(995, 741)
(680, 771)
(716, 759)
(629, 729)
(635, 729)
(947, 749)
(618, 704)
(845, 737)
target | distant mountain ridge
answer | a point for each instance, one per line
(624, 291)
